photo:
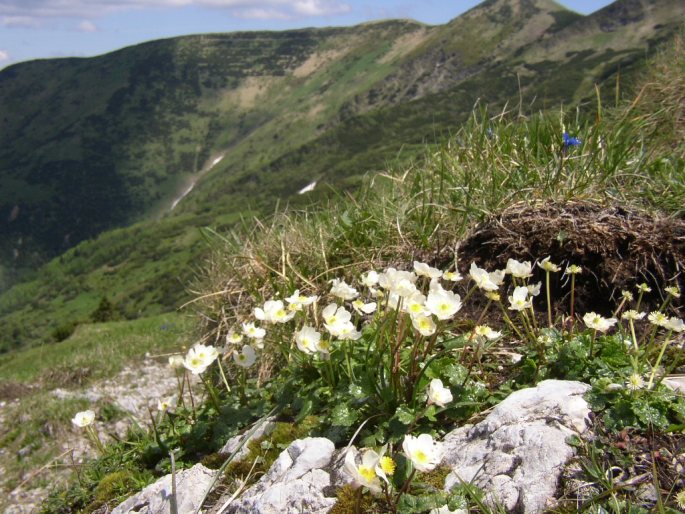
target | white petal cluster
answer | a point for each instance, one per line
(424, 325)
(341, 289)
(252, 331)
(307, 339)
(233, 337)
(488, 281)
(519, 269)
(424, 453)
(199, 358)
(424, 270)
(519, 300)
(337, 321)
(84, 418)
(487, 332)
(363, 474)
(369, 279)
(596, 322)
(452, 276)
(274, 312)
(438, 394)
(300, 300)
(246, 357)
(442, 303)
(548, 265)
(176, 362)
(398, 282)
(364, 308)
(674, 324)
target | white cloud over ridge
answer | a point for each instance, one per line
(4, 56)
(31, 13)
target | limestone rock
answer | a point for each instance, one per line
(295, 483)
(517, 452)
(191, 485)
(267, 426)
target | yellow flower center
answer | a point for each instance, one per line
(388, 465)
(367, 473)
(421, 457)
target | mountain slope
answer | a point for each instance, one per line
(331, 110)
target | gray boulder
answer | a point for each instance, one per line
(191, 485)
(518, 451)
(294, 484)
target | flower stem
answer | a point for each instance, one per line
(549, 301)
(658, 360)
(223, 376)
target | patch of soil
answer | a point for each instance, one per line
(13, 390)
(616, 247)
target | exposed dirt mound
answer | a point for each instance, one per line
(617, 248)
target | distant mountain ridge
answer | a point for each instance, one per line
(98, 143)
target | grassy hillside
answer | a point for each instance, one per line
(502, 186)
(327, 105)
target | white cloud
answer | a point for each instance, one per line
(87, 26)
(4, 56)
(30, 12)
(19, 21)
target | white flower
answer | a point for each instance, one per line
(633, 314)
(423, 324)
(415, 305)
(233, 337)
(674, 324)
(485, 280)
(658, 318)
(84, 418)
(534, 289)
(635, 382)
(166, 405)
(341, 289)
(400, 282)
(301, 300)
(438, 394)
(597, 322)
(199, 357)
(424, 453)
(644, 288)
(424, 270)
(673, 291)
(487, 332)
(364, 308)
(335, 317)
(274, 312)
(323, 346)
(246, 357)
(364, 474)
(369, 279)
(443, 304)
(307, 339)
(549, 266)
(452, 276)
(347, 331)
(253, 332)
(519, 300)
(176, 361)
(519, 269)
(573, 269)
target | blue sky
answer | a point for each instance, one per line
(31, 29)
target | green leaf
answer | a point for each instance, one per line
(305, 410)
(649, 415)
(343, 416)
(404, 415)
(409, 504)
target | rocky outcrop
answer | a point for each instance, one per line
(191, 485)
(518, 451)
(295, 483)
